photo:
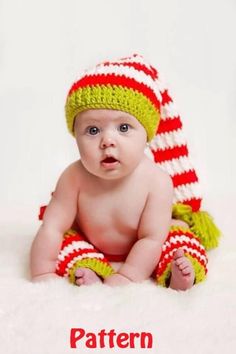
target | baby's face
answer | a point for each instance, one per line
(111, 143)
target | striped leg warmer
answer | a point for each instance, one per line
(181, 238)
(77, 253)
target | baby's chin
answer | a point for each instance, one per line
(119, 171)
(110, 175)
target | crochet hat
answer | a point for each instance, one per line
(128, 84)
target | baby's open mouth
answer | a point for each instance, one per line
(109, 160)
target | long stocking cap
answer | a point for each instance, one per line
(170, 152)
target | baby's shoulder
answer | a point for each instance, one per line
(75, 168)
(158, 179)
(71, 173)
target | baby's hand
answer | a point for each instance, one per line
(116, 280)
(44, 277)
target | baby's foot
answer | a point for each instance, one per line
(182, 272)
(85, 276)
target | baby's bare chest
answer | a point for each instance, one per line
(113, 214)
(112, 208)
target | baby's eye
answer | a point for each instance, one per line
(124, 128)
(92, 130)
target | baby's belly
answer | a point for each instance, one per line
(110, 222)
(110, 240)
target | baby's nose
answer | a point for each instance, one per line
(107, 140)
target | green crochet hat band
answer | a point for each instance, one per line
(127, 85)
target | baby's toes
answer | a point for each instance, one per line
(180, 261)
(183, 264)
(79, 273)
(187, 270)
(179, 253)
(79, 276)
(79, 281)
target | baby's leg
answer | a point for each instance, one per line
(86, 276)
(80, 261)
(182, 271)
(176, 222)
(183, 260)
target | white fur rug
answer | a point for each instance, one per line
(37, 318)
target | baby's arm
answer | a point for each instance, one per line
(58, 218)
(153, 230)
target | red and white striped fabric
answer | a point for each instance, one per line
(187, 242)
(170, 152)
(184, 239)
(74, 249)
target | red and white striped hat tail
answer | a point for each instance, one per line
(170, 152)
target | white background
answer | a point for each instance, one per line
(43, 46)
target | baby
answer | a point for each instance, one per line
(110, 217)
